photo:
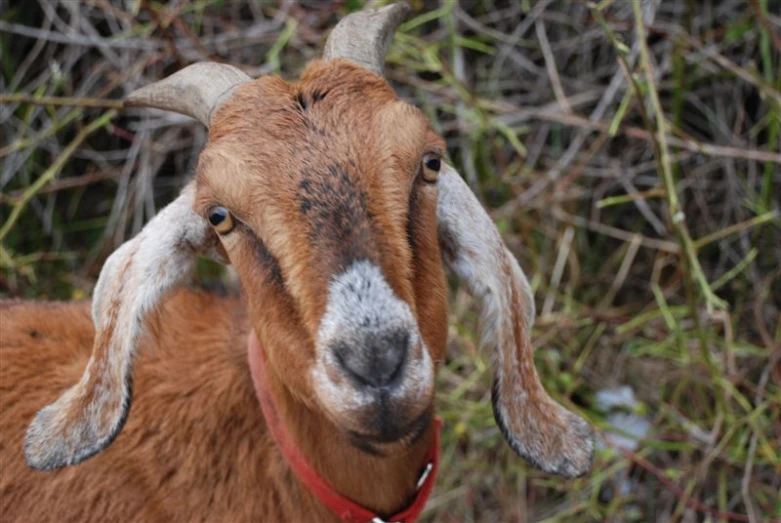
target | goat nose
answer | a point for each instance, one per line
(378, 360)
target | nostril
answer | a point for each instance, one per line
(376, 362)
(391, 353)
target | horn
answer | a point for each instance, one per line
(197, 90)
(364, 37)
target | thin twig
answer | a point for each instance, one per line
(615, 232)
(24, 98)
(558, 270)
(550, 65)
(734, 229)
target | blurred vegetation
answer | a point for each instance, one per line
(629, 151)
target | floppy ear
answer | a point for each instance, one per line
(87, 417)
(536, 427)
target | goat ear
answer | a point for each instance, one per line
(538, 428)
(87, 417)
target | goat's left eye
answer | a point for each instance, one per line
(221, 219)
(430, 167)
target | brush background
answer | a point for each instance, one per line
(540, 119)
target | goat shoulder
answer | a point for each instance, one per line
(195, 445)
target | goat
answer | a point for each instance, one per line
(333, 201)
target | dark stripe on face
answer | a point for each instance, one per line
(337, 214)
(413, 217)
(267, 261)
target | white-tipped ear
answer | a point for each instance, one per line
(87, 417)
(538, 428)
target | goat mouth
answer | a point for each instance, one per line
(390, 434)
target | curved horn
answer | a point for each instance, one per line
(197, 90)
(364, 37)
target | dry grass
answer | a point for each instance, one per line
(628, 149)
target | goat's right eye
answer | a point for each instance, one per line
(221, 219)
(429, 169)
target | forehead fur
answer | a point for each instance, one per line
(337, 112)
(288, 110)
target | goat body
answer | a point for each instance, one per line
(195, 447)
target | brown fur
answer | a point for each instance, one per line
(195, 446)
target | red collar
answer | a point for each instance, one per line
(345, 508)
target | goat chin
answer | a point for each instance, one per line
(387, 425)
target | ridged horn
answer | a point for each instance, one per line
(364, 37)
(197, 90)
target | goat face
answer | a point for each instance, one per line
(330, 199)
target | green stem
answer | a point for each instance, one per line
(677, 217)
(52, 171)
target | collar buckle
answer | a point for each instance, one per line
(421, 481)
(423, 476)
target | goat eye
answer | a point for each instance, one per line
(221, 219)
(430, 168)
